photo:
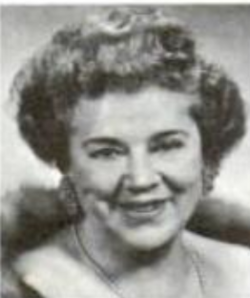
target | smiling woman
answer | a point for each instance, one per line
(138, 125)
(138, 172)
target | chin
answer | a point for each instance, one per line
(149, 238)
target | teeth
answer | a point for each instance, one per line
(143, 207)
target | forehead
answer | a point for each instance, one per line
(144, 111)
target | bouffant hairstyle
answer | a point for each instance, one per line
(123, 50)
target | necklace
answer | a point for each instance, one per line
(97, 268)
(199, 273)
(101, 273)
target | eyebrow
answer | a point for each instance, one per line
(169, 133)
(102, 141)
(114, 142)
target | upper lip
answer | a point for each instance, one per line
(144, 202)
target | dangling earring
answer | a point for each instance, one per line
(69, 199)
(209, 174)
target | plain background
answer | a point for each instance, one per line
(223, 34)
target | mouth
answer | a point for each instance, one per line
(144, 210)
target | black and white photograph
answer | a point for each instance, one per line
(125, 139)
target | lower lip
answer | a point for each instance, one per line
(144, 212)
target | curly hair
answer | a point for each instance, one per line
(123, 50)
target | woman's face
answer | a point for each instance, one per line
(137, 164)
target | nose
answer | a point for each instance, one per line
(141, 175)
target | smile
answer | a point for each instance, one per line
(143, 210)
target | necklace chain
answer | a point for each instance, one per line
(200, 273)
(95, 266)
(197, 267)
(101, 273)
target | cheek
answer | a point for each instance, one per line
(97, 178)
(95, 186)
(183, 169)
(186, 177)
(189, 169)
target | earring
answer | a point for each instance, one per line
(209, 174)
(69, 199)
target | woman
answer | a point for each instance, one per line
(133, 176)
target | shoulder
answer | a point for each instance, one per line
(47, 270)
(52, 271)
(226, 267)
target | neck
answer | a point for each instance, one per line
(170, 261)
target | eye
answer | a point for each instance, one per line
(106, 153)
(166, 145)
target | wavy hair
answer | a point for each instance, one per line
(123, 50)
